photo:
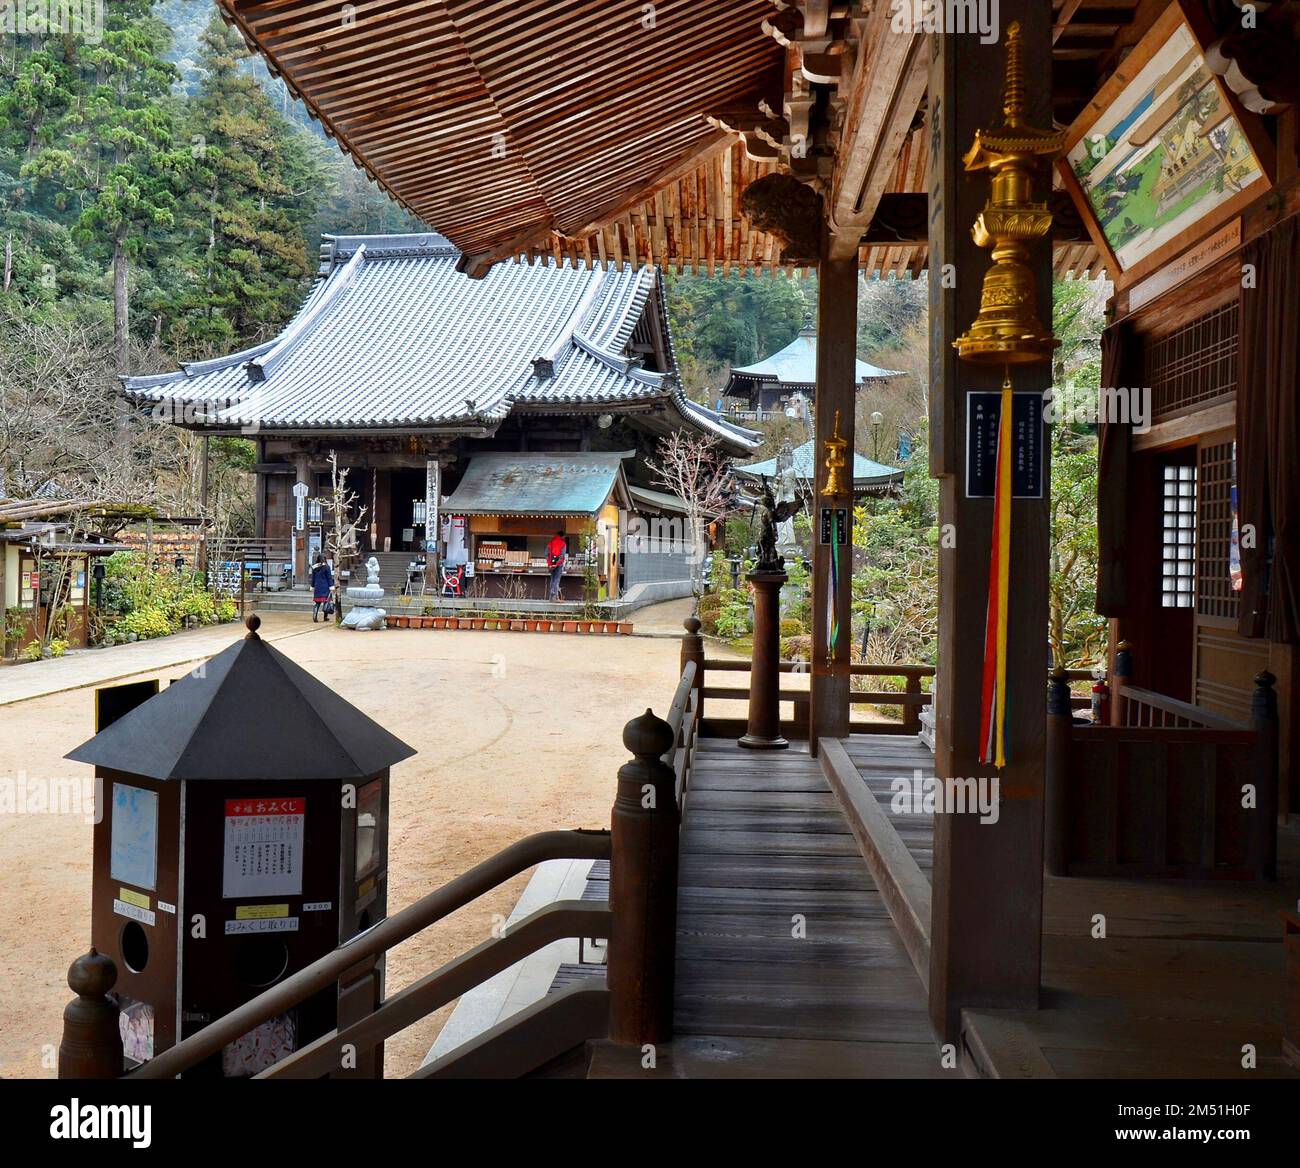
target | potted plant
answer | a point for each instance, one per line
(516, 624)
(544, 624)
(568, 626)
(625, 627)
(464, 621)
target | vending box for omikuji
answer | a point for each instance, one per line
(244, 836)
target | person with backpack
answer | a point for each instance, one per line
(557, 559)
(322, 581)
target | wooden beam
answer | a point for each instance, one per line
(1063, 18)
(880, 107)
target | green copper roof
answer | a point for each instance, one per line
(538, 484)
(866, 474)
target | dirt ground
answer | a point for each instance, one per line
(516, 733)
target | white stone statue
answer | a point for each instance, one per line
(363, 614)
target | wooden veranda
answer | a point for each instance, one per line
(1120, 915)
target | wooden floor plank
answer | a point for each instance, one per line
(785, 948)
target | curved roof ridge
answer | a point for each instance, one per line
(338, 282)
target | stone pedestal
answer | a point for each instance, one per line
(764, 732)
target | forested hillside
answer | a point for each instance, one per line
(161, 199)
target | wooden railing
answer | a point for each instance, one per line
(1167, 789)
(634, 1003)
(911, 699)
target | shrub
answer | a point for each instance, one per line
(58, 647)
(197, 605)
(796, 648)
(710, 608)
(733, 618)
(226, 609)
(790, 627)
(143, 622)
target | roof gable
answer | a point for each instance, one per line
(250, 714)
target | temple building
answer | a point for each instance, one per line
(413, 374)
(771, 383)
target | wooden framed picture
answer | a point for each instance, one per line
(1163, 154)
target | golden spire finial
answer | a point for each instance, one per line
(1013, 99)
(1007, 329)
(835, 460)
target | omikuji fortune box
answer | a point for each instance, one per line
(244, 836)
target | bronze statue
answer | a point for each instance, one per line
(770, 513)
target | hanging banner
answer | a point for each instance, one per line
(432, 495)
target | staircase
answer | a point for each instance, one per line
(392, 571)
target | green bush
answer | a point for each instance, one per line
(796, 648)
(143, 622)
(58, 647)
(197, 605)
(226, 609)
(733, 618)
(790, 627)
(710, 608)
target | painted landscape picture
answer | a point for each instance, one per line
(1164, 155)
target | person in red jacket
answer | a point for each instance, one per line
(557, 557)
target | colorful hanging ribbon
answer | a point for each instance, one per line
(993, 698)
(832, 605)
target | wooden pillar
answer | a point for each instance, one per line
(693, 650)
(91, 1047)
(643, 888)
(1264, 774)
(837, 340)
(1123, 677)
(302, 476)
(986, 908)
(1059, 720)
(764, 729)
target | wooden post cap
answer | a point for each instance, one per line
(1264, 679)
(92, 975)
(692, 625)
(648, 736)
(254, 622)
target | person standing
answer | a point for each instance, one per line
(322, 581)
(557, 559)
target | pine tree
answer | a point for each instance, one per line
(255, 184)
(109, 155)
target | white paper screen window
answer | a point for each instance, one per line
(1178, 534)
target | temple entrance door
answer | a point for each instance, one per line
(408, 486)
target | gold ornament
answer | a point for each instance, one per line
(1007, 329)
(835, 461)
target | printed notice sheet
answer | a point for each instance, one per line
(263, 849)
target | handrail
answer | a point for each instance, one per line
(580, 844)
(1137, 699)
(555, 922)
(677, 711)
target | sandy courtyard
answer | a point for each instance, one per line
(516, 733)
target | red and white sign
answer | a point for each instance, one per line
(263, 854)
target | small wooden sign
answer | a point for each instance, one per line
(983, 412)
(833, 526)
(1196, 259)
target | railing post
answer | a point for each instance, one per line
(1056, 774)
(764, 728)
(1263, 720)
(693, 650)
(91, 1047)
(912, 713)
(1123, 678)
(643, 888)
